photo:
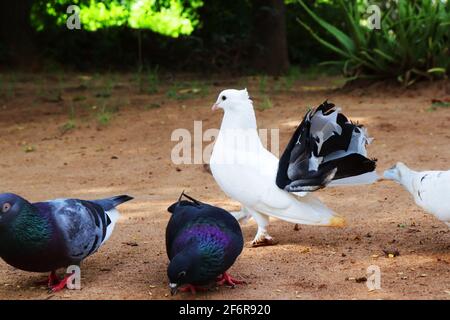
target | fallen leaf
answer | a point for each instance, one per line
(29, 149)
(391, 252)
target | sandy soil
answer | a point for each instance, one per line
(131, 154)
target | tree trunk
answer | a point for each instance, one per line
(270, 53)
(16, 32)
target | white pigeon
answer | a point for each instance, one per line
(247, 172)
(430, 189)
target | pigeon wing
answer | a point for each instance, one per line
(84, 226)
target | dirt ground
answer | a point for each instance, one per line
(119, 141)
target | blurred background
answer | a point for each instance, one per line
(274, 37)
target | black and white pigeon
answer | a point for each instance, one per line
(326, 149)
(46, 236)
(430, 189)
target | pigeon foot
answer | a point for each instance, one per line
(51, 280)
(192, 289)
(265, 241)
(226, 279)
(60, 284)
(337, 222)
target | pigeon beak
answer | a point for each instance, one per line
(390, 174)
(173, 288)
(215, 107)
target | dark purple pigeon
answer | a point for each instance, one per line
(202, 243)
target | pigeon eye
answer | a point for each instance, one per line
(181, 274)
(6, 207)
(224, 98)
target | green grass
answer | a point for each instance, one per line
(291, 77)
(152, 106)
(8, 86)
(68, 126)
(265, 104)
(47, 94)
(435, 105)
(107, 89)
(147, 80)
(71, 122)
(262, 84)
(79, 98)
(288, 81)
(106, 112)
(184, 91)
(104, 117)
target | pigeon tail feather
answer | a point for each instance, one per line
(325, 142)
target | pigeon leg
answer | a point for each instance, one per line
(226, 279)
(242, 216)
(262, 238)
(193, 289)
(60, 284)
(51, 280)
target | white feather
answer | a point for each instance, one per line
(365, 178)
(252, 182)
(113, 216)
(430, 189)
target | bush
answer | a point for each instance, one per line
(412, 43)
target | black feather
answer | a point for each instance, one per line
(294, 169)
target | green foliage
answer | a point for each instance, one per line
(173, 19)
(167, 17)
(413, 41)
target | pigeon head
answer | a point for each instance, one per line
(397, 172)
(232, 99)
(11, 206)
(183, 268)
